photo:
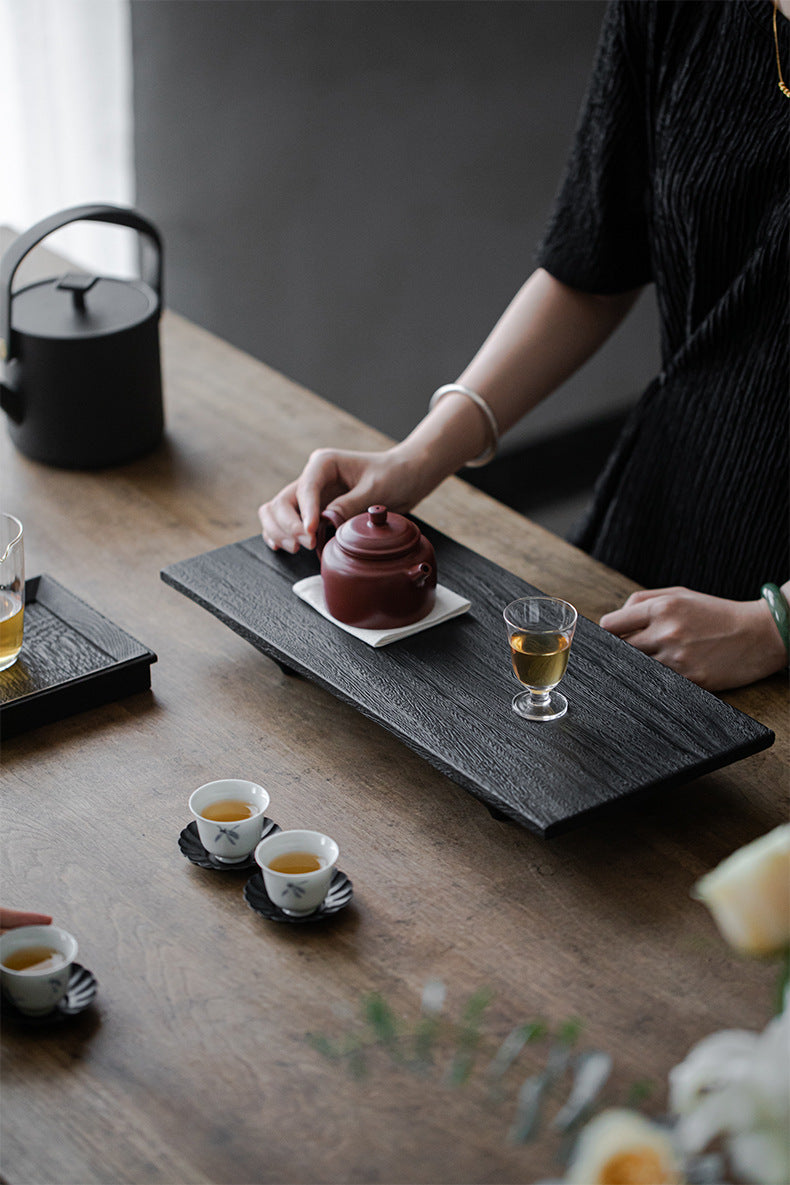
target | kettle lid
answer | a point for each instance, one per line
(115, 317)
(81, 306)
(378, 533)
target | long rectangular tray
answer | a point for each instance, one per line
(72, 659)
(633, 725)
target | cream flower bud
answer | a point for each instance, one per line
(620, 1147)
(749, 894)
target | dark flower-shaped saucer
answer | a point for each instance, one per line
(80, 992)
(340, 893)
(192, 848)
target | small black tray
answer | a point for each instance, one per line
(72, 659)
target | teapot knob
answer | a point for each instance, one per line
(378, 515)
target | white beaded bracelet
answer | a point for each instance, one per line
(488, 453)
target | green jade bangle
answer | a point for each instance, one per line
(777, 603)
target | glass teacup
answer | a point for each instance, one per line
(540, 631)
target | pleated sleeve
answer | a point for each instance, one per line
(598, 236)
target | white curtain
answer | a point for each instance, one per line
(66, 120)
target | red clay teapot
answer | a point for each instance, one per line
(378, 569)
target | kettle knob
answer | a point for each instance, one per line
(377, 515)
(77, 285)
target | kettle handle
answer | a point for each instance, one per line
(120, 215)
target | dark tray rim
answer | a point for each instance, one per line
(127, 668)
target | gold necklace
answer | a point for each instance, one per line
(783, 87)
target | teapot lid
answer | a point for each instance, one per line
(379, 533)
(81, 306)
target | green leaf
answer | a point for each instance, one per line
(381, 1018)
(322, 1045)
(468, 1037)
(476, 1006)
(425, 1036)
(640, 1091)
(461, 1068)
(570, 1031)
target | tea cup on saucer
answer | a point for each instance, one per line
(35, 965)
(297, 868)
(229, 814)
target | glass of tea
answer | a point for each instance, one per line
(540, 631)
(12, 589)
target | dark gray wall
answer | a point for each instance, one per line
(352, 191)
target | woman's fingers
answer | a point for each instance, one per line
(626, 620)
(290, 519)
(327, 474)
(281, 524)
(348, 480)
(11, 918)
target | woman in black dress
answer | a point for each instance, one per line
(677, 177)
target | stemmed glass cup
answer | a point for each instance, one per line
(540, 630)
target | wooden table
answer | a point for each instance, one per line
(195, 1063)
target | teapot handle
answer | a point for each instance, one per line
(328, 523)
(120, 215)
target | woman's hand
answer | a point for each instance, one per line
(714, 642)
(346, 480)
(11, 918)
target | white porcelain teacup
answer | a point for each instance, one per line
(35, 966)
(304, 862)
(231, 834)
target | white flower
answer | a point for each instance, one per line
(736, 1084)
(620, 1147)
(749, 894)
(433, 995)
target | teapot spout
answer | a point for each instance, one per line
(420, 574)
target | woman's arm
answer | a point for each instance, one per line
(547, 332)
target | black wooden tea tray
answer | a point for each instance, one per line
(72, 659)
(633, 725)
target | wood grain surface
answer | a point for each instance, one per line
(201, 1059)
(633, 725)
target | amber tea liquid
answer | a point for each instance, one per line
(229, 810)
(539, 660)
(293, 863)
(33, 960)
(12, 616)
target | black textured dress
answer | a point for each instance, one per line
(679, 176)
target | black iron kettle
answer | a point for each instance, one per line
(82, 383)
